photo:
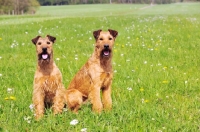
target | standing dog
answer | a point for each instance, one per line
(94, 76)
(48, 87)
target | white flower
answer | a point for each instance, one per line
(31, 106)
(10, 90)
(40, 31)
(129, 89)
(57, 59)
(0, 75)
(74, 122)
(0, 57)
(65, 109)
(84, 130)
(145, 62)
(76, 58)
(28, 119)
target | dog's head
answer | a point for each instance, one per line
(104, 42)
(44, 47)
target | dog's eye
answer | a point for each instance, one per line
(110, 38)
(39, 43)
(48, 42)
(101, 39)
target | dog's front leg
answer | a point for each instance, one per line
(58, 101)
(96, 99)
(38, 101)
(106, 98)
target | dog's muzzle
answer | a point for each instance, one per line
(44, 54)
(106, 51)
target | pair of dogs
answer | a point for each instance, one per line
(94, 76)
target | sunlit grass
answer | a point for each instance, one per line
(156, 65)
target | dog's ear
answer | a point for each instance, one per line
(97, 33)
(113, 33)
(51, 38)
(34, 40)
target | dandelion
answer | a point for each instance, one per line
(6, 98)
(84, 130)
(164, 68)
(165, 81)
(141, 89)
(0, 38)
(74, 122)
(12, 98)
(146, 101)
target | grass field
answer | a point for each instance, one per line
(156, 86)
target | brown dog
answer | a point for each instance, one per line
(94, 76)
(48, 87)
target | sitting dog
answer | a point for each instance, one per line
(94, 76)
(48, 87)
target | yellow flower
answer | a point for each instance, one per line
(165, 81)
(146, 101)
(122, 46)
(6, 98)
(0, 38)
(12, 98)
(141, 89)
(115, 50)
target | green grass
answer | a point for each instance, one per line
(156, 84)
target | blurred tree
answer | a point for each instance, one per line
(18, 6)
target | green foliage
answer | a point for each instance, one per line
(156, 65)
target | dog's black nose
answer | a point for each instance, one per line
(44, 49)
(106, 46)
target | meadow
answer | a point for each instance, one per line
(156, 61)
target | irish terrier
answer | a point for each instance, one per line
(94, 76)
(48, 87)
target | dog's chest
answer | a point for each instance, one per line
(49, 84)
(106, 78)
